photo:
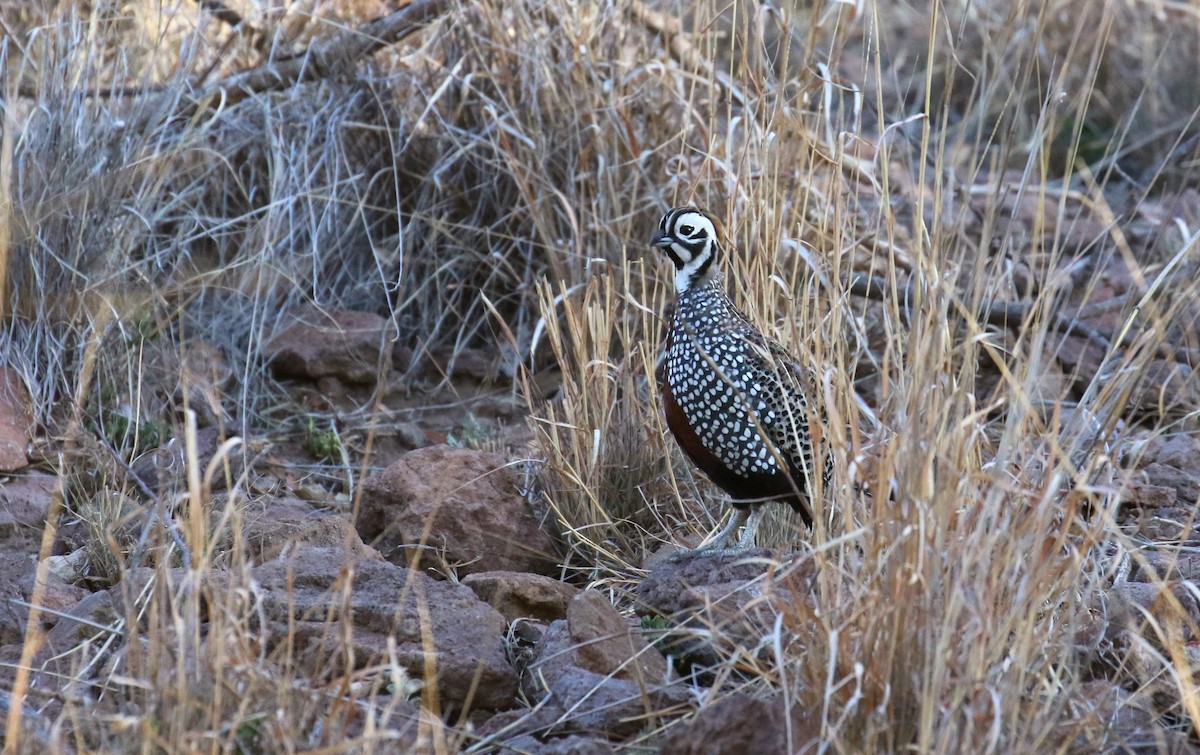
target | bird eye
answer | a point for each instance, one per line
(686, 230)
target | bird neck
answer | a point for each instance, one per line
(711, 283)
(699, 271)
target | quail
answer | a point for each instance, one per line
(735, 399)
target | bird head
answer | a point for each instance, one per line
(692, 239)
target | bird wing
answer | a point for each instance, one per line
(780, 383)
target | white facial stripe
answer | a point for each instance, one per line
(683, 276)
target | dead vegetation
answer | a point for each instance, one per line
(975, 221)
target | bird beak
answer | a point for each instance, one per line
(661, 239)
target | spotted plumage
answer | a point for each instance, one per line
(735, 400)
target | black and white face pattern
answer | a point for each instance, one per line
(689, 237)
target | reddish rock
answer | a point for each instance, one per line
(24, 501)
(13, 568)
(463, 503)
(58, 595)
(603, 642)
(163, 470)
(1179, 451)
(571, 745)
(306, 596)
(662, 591)
(1165, 565)
(719, 604)
(520, 595)
(333, 343)
(42, 705)
(1172, 524)
(1112, 719)
(1131, 602)
(591, 673)
(84, 621)
(741, 723)
(1185, 483)
(473, 364)
(16, 420)
(1165, 388)
(573, 699)
(1147, 496)
(18, 571)
(290, 523)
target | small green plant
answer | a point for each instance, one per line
(655, 629)
(322, 444)
(474, 433)
(124, 432)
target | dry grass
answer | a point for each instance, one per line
(491, 182)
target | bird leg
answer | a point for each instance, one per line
(723, 537)
(720, 545)
(753, 519)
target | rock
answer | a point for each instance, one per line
(1132, 601)
(719, 605)
(16, 420)
(18, 571)
(411, 728)
(572, 745)
(24, 500)
(82, 622)
(333, 343)
(474, 364)
(58, 595)
(288, 523)
(520, 595)
(1079, 357)
(741, 723)
(1152, 670)
(1179, 451)
(163, 470)
(1165, 388)
(68, 568)
(592, 674)
(305, 595)
(1186, 483)
(1165, 565)
(409, 434)
(603, 642)
(661, 592)
(13, 568)
(1171, 524)
(1147, 496)
(462, 502)
(576, 700)
(1112, 719)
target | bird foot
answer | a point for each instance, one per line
(720, 545)
(712, 550)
